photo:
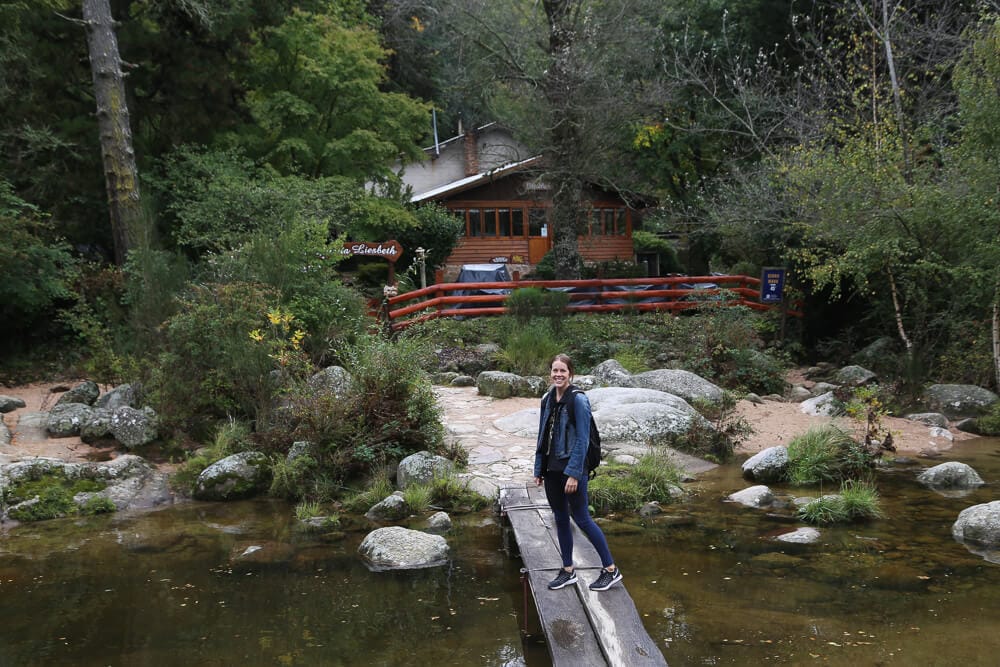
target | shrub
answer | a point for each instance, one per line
(417, 497)
(725, 430)
(526, 303)
(625, 487)
(98, 505)
(989, 424)
(378, 488)
(857, 501)
(54, 501)
(528, 349)
(449, 492)
(817, 455)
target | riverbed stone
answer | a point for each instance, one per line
(422, 468)
(929, 418)
(134, 428)
(753, 496)
(124, 395)
(854, 376)
(438, 523)
(951, 475)
(766, 466)
(10, 403)
(65, 420)
(500, 384)
(86, 392)
(4, 434)
(824, 405)
(398, 548)
(97, 427)
(687, 385)
(959, 400)
(979, 524)
(804, 535)
(238, 476)
(969, 425)
(335, 380)
(390, 508)
(798, 393)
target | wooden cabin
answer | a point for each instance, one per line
(484, 178)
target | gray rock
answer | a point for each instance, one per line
(299, 449)
(86, 392)
(959, 400)
(390, 508)
(938, 432)
(766, 466)
(641, 416)
(611, 373)
(799, 536)
(650, 509)
(331, 380)
(798, 393)
(10, 403)
(398, 548)
(854, 376)
(969, 425)
(237, 476)
(929, 418)
(586, 382)
(422, 468)
(825, 405)
(439, 523)
(876, 353)
(753, 496)
(97, 427)
(444, 378)
(4, 434)
(979, 524)
(66, 419)
(500, 384)
(125, 395)
(951, 475)
(753, 398)
(463, 381)
(823, 387)
(685, 384)
(134, 428)
(623, 459)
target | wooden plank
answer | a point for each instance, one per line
(610, 619)
(568, 632)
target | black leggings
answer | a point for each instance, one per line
(565, 505)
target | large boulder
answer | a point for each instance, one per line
(766, 466)
(854, 376)
(611, 373)
(10, 403)
(86, 392)
(398, 548)
(134, 428)
(951, 475)
(334, 380)
(979, 524)
(97, 427)
(422, 468)
(959, 400)
(499, 384)
(66, 419)
(124, 395)
(237, 476)
(687, 385)
(929, 418)
(824, 405)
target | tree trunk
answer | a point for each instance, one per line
(564, 140)
(898, 311)
(996, 335)
(120, 173)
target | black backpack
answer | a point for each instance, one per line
(594, 447)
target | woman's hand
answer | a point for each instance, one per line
(538, 481)
(571, 484)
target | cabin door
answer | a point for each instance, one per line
(539, 240)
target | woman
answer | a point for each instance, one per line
(559, 463)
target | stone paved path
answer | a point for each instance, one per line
(495, 457)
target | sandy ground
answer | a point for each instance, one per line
(773, 422)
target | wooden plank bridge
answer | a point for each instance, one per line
(582, 627)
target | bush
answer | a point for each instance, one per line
(448, 492)
(857, 501)
(817, 455)
(625, 487)
(528, 349)
(989, 424)
(98, 505)
(526, 303)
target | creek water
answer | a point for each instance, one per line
(240, 584)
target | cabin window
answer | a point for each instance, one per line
(537, 218)
(517, 222)
(503, 221)
(475, 223)
(489, 222)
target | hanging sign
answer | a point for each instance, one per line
(387, 250)
(772, 284)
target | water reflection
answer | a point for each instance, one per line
(224, 584)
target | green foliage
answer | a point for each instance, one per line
(817, 455)
(38, 267)
(294, 478)
(315, 93)
(451, 493)
(632, 359)
(98, 505)
(437, 231)
(989, 424)
(526, 303)
(625, 487)
(528, 349)
(857, 501)
(308, 509)
(417, 497)
(53, 502)
(54, 493)
(378, 488)
(210, 367)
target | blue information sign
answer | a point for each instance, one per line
(772, 285)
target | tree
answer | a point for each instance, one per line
(120, 173)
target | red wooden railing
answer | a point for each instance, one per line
(439, 301)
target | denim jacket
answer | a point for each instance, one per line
(570, 440)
